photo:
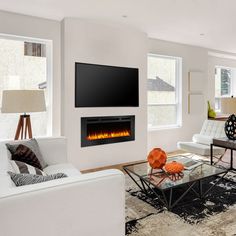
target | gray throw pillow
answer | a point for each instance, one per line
(32, 144)
(26, 179)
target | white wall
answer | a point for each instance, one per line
(194, 59)
(34, 27)
(92, 42)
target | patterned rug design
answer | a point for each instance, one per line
(213, 216)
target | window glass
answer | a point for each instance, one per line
(20, 68)
(163, 94)
(224, 84)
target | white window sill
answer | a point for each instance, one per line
(151, 129)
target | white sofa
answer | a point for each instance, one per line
(200, 143)
(78, 205)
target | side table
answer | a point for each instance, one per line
(227, 144)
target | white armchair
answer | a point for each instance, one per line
(200, 143)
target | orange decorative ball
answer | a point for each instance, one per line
(157, 158)
(174, 167)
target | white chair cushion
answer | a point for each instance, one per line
(203, 139)
(200, 149)
(65, 168)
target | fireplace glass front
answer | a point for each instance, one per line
(107, 129)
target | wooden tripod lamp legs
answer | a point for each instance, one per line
(24, 127)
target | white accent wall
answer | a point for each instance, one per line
(98, 43)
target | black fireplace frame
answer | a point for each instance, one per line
(105, 119)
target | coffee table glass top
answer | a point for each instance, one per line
(163, 181)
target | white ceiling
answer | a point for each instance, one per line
(174, 20)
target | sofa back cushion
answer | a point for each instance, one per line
(53, 149)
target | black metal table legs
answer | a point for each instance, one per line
(231, 159)
(231, 156)
(211, 154)
(165, 196)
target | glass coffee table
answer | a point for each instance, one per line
(163, 185)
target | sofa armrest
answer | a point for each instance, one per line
(87, 205)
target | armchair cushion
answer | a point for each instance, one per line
(203, 139)
(200, 149)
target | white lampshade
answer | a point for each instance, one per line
(22, 101)
(228, 105)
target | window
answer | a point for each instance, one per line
(225, 81)
(164, 95)
(25, 64)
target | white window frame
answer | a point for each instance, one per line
(232, 85)
(178, 93)
(49, 61)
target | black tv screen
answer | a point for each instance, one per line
(106, 86)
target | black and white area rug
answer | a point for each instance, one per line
(213, 216)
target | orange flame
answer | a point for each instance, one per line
(105, 135)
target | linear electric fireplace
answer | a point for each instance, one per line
(107, 129)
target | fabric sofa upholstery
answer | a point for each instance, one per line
(80, 204)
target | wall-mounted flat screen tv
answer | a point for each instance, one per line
(106, 86)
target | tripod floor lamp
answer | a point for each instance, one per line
(23, 101)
